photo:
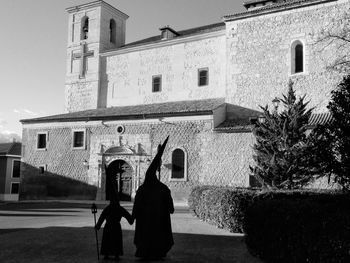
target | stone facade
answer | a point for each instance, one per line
(259, 55)
(226, 158)
(130, 74)
(249, 60)
(207, 154)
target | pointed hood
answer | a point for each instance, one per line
(155, 164)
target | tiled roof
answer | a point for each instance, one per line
(245, 125)
(168, 109)
(249, 2)
(237, 125)
(279, 6)
(11, 148)
(182, 33)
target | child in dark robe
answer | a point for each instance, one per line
(112, 239)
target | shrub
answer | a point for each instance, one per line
(194, 197)
(299, 227)
(221, 206)
(226, 207)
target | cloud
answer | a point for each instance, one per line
(9, 136)
(3, 122)
(30, 112)
(25, 112)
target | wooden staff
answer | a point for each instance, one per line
(94, 211)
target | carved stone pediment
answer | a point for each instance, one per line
(119, 150)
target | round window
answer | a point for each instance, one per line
(120, 129)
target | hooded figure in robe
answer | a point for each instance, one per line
(152, 208)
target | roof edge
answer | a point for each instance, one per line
(273, 9)
(122, 117)
(10, 155)
(162, 43)
(94, 4)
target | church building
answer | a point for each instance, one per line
(201, 86)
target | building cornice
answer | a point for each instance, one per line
(10, 155)
(274, 9)
(107, 123)
(78, 8)
(120, 118)
(163, 43)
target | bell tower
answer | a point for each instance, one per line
(92, 29)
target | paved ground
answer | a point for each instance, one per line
(62, 232)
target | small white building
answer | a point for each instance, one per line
(10, 163)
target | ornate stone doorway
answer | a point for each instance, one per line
(119, 173)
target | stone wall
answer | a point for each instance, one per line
(226, 158)
(212, 158)
(259, 56)
(81, 95)
(59, 157)
(106, 16)
(130, 74)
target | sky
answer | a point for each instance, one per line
(33, 40)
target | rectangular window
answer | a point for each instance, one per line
(14, 188)
(203, 77)
(41, 140)
(79, 139)
(157, 83)
(42, 169)
(16, 165)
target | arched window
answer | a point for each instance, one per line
(84, 28)
(178, 165)
(112, 31)
(297, 57)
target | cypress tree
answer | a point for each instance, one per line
(281, 151)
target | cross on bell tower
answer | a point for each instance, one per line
(83, 57)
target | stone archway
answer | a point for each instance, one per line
(119, 173)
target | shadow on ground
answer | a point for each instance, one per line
(68, 245)
(63, 207)
(19, 206)
(31, 215)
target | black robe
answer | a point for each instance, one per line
(152, 208)
(112, 239)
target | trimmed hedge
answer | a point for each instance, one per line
(221, 206)
(300, 227)
(55, 187)
(226, 207)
